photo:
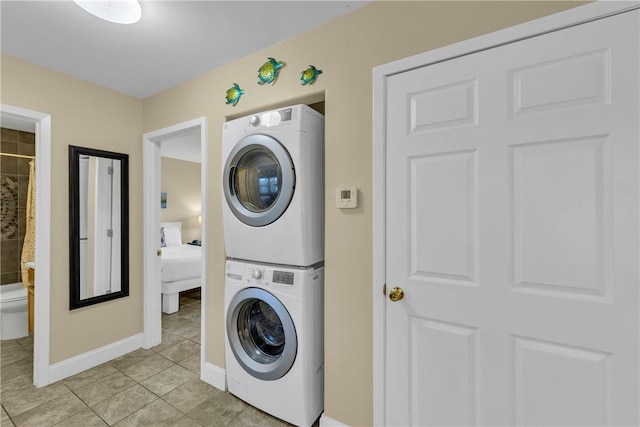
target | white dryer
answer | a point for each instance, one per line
(274, 339)
(273, 186)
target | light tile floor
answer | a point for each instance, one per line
(155, 387)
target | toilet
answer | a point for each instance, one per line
(13, 312)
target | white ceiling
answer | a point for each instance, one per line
(184, 147)
(173, 42)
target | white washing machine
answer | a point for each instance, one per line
(273, 186)
(275, 339)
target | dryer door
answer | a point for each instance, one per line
(261, 334)
(259, 180)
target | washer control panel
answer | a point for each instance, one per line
(259, 274)
(284, 277)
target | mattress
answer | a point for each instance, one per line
(181, 263)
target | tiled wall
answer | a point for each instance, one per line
(14, 180)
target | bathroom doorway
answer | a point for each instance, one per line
(40, 124)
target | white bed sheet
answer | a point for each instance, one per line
(181, 263)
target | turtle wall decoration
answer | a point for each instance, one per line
(268, 72)
(310, 75)
(233, 95)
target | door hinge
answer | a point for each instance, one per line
(109, 233)
(110, 170)
(384, 289)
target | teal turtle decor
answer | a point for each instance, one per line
(269, 71)
(233, 95)
(310, 75)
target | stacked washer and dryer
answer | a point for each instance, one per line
(273, 215)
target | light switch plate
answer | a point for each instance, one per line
(346, 197)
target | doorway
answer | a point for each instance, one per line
(42, 123)
(505, 246)
(152, 152)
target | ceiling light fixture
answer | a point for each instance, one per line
(118, 11)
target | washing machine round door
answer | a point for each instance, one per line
(259, 180)
(261, 334)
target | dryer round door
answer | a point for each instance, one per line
(261, 334)
(259, 180)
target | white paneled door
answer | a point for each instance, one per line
(512, 226)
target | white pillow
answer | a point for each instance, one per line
(172, 237)
(172, 233)
(176, 224)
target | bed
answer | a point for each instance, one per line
(181, 266)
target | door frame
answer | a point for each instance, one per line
(572, 17)
(151, 210)
(42, 306)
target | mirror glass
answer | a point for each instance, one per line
(99, 238)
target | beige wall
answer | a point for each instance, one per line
(89, 116)
(346, 50)
(181, 181)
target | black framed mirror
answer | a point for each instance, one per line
(98, 226)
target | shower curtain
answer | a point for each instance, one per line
(29, 246)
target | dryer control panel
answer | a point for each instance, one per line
(271, 118)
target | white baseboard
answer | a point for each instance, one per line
(214, 375)
(330, 422)
(93, 358)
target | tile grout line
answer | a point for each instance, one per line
(86, 406)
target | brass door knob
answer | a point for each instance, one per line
(396, 294)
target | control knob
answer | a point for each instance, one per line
(254, 121)
(256, 274)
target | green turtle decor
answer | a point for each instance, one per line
(233, 95)
(310, 75)
(269, 71)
